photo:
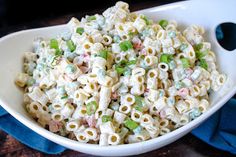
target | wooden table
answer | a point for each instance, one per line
(188, 146)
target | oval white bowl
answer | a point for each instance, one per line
(205, 13)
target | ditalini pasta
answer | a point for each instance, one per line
(119, 78)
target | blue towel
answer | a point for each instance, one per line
(20, 132)
(218, 131)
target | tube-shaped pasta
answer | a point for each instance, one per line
(51, 94)
(57, 116)
(35, 108)
(152, 74)
(151, 52)
(119, 117)
(57, 106)
(163, 66)
(39, 96)
(21, 79)
(114, 139)
(161, 34)
(164, 123)
(99, 113)
(67, 110)
(160, 103)
(138, 72)
(72, 125)
(184, 119)
(87, 46)
(91, 133)
(106, 40)
(91, 87)
(164, 131)
(116, 86)
(99, 62)
(181, 107)
(107, 127)
(105, 94)
(80, 97)
(137, 80)
(195, 90)
(152, 130)
(203, 106)
(125, 108)
(103, 140)
(109, 112)
(221, 79)
(137, 89)
(128, 99)
(136, 115)
(106, 81)
(150, 60)
(144, 135)
(153, 95)
(146, 119)
(81, 137)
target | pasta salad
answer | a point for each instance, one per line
(119, 78)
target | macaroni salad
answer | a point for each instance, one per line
(119, 78)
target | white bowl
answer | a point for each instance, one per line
(206, 13)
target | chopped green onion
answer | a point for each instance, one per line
(120, 70)
(106, 118)
(139, 108)
(203, 63)
(103, 54)
(139, 103)
(130, 124)
(64, 97)
(131, 34)
(91, 107)
(166, 58)
(147, 21)
(91, 18)
(131, 62)
(58, 52)
(121, 67)
(200, 55)
(80, 30)
(54, 45)
(163, 23)
(185, 62)
(126, 45)
(122, 63)
(71, 45)
(198, 47)
(139, 100)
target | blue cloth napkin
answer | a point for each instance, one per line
(26, 136)
(218, 131)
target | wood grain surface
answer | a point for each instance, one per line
(188, 146)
